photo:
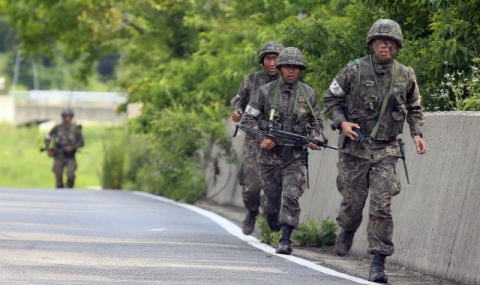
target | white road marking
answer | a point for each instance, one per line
(236, 231)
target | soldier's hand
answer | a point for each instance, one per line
(420, 144)
(313, 146)
(348, 130)
(68, 148)
(267, 144)
(237, 115)
(50, 153)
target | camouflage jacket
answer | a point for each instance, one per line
(63, 136)
(251, 83)
(292, 114)
(364, 98)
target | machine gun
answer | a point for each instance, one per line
(361, 137)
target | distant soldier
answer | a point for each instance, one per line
(67, 139)
(248, 174)
(290, 105)
(375, 95)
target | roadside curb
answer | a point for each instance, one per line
(351, 265)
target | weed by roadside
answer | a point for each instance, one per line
(316, 234)
(267, 236)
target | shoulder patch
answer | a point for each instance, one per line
(336, 89)
(252, 111)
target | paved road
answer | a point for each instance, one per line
(119, 237)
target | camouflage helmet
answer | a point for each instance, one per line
(386, 28)
(291, 56)
(270, 47)
(68, 112)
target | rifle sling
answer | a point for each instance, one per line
(396, 68)
(304, 94)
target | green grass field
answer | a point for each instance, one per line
(22, 165)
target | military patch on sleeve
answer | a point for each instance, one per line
(336, 89)
(252, 111)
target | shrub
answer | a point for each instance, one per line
(267, 236)
(315, 234)
(112, 167)
(460, 92)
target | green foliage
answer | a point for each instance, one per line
(315, 234)
(461, 91)
(267, 236)
(185, 59)
(112, 167)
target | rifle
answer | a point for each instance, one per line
(286, 138)
(289, 140)
(42, 149)
(361, 137)
(402, 150)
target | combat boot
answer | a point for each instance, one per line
(344, 242)
(249, 222)
(377, 269)
(284, 244)
(272, 220)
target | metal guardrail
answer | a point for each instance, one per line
(48, 97)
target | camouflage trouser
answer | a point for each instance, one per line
(284, 184)
(58, 165)
(355, 177)
(249, 176)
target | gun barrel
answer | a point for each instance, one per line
(236, 130)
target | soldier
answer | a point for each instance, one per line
(248, 174)
(289, 105)
(379, 93)
(67, 139)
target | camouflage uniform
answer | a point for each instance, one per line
(282, 178)
(357, 171)
(248, 175)
(65, 136)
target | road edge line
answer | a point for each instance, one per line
(235, 231)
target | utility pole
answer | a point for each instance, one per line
(17, 68)
(36, 84)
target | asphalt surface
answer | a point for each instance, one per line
(326, 257)
(119, 237)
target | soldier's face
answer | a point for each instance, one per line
(270, 63)
(384, 48)
(67, 118)
(290, 73)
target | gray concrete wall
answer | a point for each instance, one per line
(436, 216)
(7, 109)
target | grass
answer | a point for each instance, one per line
(22, 165)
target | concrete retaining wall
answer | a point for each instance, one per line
(31, 112)
(7, 109)
(436, 216)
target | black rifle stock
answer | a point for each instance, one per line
(361, 137)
